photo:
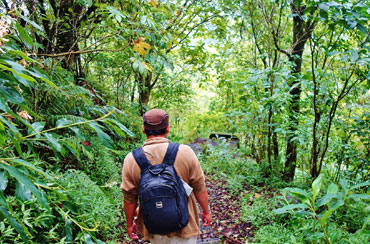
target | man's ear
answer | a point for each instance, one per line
(168, 129)
(143, 129)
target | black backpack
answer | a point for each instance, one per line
(162, 196)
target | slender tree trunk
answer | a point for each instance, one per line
(301, 33)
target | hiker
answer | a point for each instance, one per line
(157, 148)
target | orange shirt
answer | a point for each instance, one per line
(188, 169)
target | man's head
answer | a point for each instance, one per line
(155, 123)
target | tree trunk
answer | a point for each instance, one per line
(301, 32)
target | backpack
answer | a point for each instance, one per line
(162, 196)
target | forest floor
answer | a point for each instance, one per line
(227, 224)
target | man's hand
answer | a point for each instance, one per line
(206, 219)
(131, 230)
(203, 202)
(130, 212)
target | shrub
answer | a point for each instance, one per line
(90, 204)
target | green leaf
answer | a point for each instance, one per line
(332, 189)
(27, 182)
(11, 94)
(286, 208)
(324, 6)
(22, 192)
(354, 56)
(68, 231)
(21, 229)
(37, 127)
(63, 122)
(24, 35)
(24, 76)
(54, 142)
(22, 55)
(43, 76)
(121, 126)
(17, 145)
(88, 239)
(104, 137)
(3, 180)
(72, 149)
(34, 24)
(316, 186)
(359, 196)
(300, 194)
(360, 185)
(325, 199)
(32, 167)
(78, 133)
(344, 184)
(4, 105)
(330, 211)
(3, 201)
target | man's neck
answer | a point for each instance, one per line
(154, 136)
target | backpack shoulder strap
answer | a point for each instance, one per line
(171, 153)
(140, 158)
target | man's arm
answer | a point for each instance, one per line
(130, 209)
(202, 199)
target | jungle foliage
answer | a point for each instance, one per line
(290, 79)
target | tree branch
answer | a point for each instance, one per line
(81, 52)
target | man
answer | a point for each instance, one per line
(156, 128)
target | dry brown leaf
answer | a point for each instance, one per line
(154, 4)
(24, 115)
(140, 46)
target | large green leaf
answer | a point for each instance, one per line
(286, 208)
(22, 192)
(63, 122)
(78, 133)
(332, 189)
(24, 76)
(68, 231)
(359, 196)
(121, 126)
(104, 137)
(3, 180)
(4, 105)
(88, 239)
(325, 199)
(335, 206)
(300, 194)
(3, 201)
(362, 184)
(54, 142)
(24, 35)
(21, 229)
(31, 166)
(11, 94)
(28, 183)
(37, 127)
(316, 186)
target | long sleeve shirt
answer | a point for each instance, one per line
(188, 169)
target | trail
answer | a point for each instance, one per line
(226, 227)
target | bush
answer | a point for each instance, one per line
(90, 204)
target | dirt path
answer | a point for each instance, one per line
(227, 227)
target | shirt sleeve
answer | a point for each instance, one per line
(196, 175)
(130, 179)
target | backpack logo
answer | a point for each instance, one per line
(159, 205)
